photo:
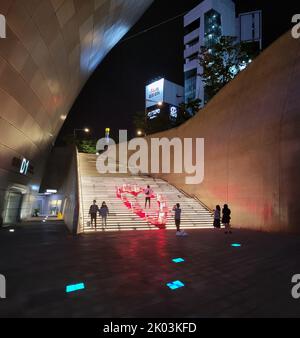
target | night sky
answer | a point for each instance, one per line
(116, 90)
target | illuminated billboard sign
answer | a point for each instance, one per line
(155, 93)
(153, 114)
(173, 113)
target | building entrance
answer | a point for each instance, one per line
(48, 205)
(13, 207)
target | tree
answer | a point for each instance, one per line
(188, 109)
(87, 146)
(139, 120)
(221, 63)
(69, 140)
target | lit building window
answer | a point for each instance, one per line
(213, 28)
(190, 84)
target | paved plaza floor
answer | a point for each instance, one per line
(125, 274)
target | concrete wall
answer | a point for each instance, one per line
(61, 175)
(71, 193)
(51, 49)
(252, 142)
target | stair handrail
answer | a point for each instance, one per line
(203, 204)
(192, 196)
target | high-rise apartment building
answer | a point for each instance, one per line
(203, 26)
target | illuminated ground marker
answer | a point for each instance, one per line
(178, 260)
(75, 287)
(175, 285)
(11, 230)
(236, 245)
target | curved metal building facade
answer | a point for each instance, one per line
(50, 50)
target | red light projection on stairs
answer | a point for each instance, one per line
(131, 196)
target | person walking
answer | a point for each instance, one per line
(217, 217)
(93, 213)
(177, 211)
(148, 193)
(104, 212)
(226, 212)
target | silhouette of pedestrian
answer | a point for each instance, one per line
(93, 213)
(217, 217)
(177, 211)
(148, 193)
(104, 212)
(226, 212)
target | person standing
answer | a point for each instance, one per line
(226, 212)
(93, 213)
(177, 211)
(104, 212)
(148, 193)
(217, 217)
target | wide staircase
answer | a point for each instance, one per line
(93, 186)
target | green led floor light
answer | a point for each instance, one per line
(75, 287)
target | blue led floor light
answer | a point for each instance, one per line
(236, 245)
(175, 285)
(178, 260)
(75, 287)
